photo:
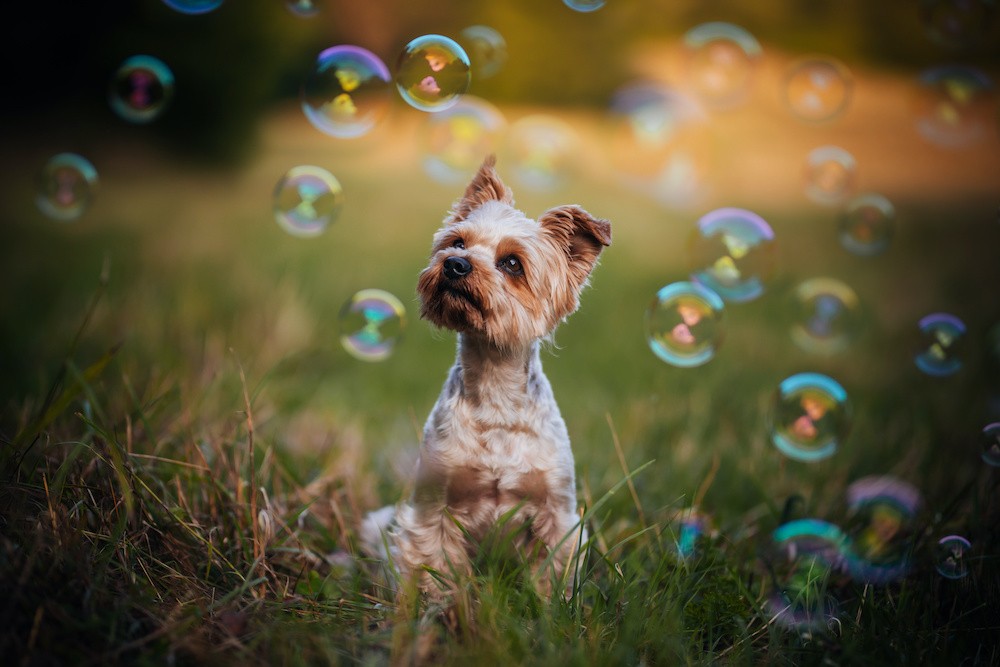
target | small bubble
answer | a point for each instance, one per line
(193, 6)
(371, 324)
(810, 416)
(732, 253)
(543, 151)
(303, 8)
(882, 527)
(818, 89)
(804, 557)
(867, 224)
(830, 174)
(487, 50)
(721, 58)
(990, 442)
(141, 89)
(688, 528)
(306, 200)
(827, 316)
(584, 5)
(432, 73)
(456, 140)
(950, 556)
(955, 106)
(66, 186)
(685, 324)
(942, 338)
(346, 93)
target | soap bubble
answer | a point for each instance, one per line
(371, 324)
(193, 6)
(818, 89)
(347, 91)
(955, 106)
(990, 442)
(542, 150)
(141, 89)
(456, 140)
(732, 253)
(584, 5)
(66, 186)
(882, 527)
(867, 224)
(688, 528)
(685, 324)
(306, 200)
(432, 73)
(951, 556)
(827, 316)
(303, 8)
(487, 50)
(810, 416)
(942, 339)
(804, 559)
(957, 24)
(830, 175)
(720, 61)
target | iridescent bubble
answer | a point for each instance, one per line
(805, 557)
(957, 24)
(371, 324)
(732, 253)
(685, 324)
(432, 73)
(830, 175)
(867, 224)
(141, 89)
(347, 92)
(688, 528)
(193, 6)
(827, 316)
(542, 151)
(306, 200)
(951, 556)
(818, 89)
(66, 185)
(810, 416)
(584, 5)
(990, 442)
(721, 58)
(487, 50)
(303, 8)
(940, 352)
(882, 526)
(955, 106)
(457, 139)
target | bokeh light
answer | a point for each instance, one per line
(141, 89)
(487, 50)
(685, 324)
(432, 73)
(303, 8)
(803, 562)
(951, 557)
(941, 343)
(720, 62)
(455, 141)
(955, 106)
(989, 440)
(193, 6)
(541, 150)
(584, 5)
(732, 253)
(306, 200)
(371, 324)
(66, 186)
(810, 417)
(818, 89)
(867, 224)
(882, 525)
(830, 175)
(827, 316)
(347, 91)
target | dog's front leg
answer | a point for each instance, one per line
(432, 548)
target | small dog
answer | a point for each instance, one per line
(495, 442)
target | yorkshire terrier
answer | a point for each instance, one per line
(495, 443)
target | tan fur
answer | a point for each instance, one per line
(495, 440)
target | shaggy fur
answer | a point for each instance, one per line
(495, 441)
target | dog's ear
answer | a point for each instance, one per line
(485, 186)
(581, 235)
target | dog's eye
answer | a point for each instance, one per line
(512, 265)
(458, 243)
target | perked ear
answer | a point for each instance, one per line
(582, 235)
(485, 186)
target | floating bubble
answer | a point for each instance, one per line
(303, 8)
(306, 200)
(817, 89)
(721, 58)
(347, 92)
(66, 186)
(955, 106)
(141, 89)
(806, 555)
(432, 73)
(542, 151)
(830, 174)
(940, 350)
(685, 324)
(487, 50)
(193, 6)
(990, 441)
(827, 316)
(732, 253)
(882, 527)
(584, 5)
(689, 528)
(957, 24)
(457, 139)
(867, 224)
(950, 556)
(371, 324)
(810, 416)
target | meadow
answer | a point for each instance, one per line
(187, 448)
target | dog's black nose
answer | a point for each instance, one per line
(457, 267)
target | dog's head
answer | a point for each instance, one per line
(495, 272)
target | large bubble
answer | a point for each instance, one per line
(810, 417)
(371, 324)
(542, 151)
(487, 50)
(193, 6)
(818, 89)
(721, 58)
(732, 253)
(951, 556)
(432, 73)
(347, 91)
(940, 352)
(141, 89)
(882, 526)
(456, 140)
(66, 186)
(804, 558)
(955, 106)
(830, 175)
(867, 224)
(989, 441)
(306, 200)
(827, 316)
(685, 324)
